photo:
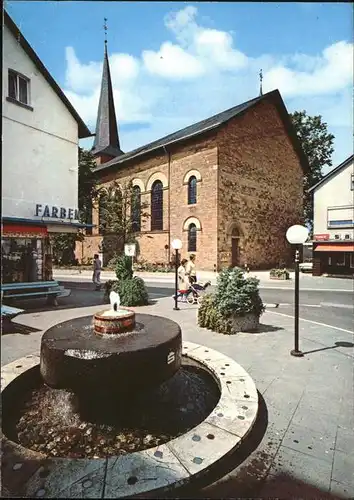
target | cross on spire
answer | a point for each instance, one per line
(105, 30)
(260, 82)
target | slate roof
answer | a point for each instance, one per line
(83, 130)
(209, 124)
(106, 138)
(333, 172)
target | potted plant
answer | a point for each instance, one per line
(279, 274)
(235, 307)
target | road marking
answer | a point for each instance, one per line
(302, 289)
(314, 322)
(331, 304)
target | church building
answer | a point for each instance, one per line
(229, 186)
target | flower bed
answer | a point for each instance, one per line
(279, 274)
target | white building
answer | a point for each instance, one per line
(333, 243)
(40, 135)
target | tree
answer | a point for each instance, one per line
(317, 144)
(87, 185)
(64, 244)
(121, 213)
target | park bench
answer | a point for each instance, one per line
(49, 289)
(8, 312)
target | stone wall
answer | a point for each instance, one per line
(260, 188)
(172, 168)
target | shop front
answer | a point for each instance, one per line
(333, 258)
(26, 248)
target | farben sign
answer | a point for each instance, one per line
(56, 212)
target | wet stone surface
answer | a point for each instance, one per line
(49, 421)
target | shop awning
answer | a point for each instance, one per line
(335, 247)
(43, 222)
(24, 228)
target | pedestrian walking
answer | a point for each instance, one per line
(96, 277)
(191, 269)
(183, 281)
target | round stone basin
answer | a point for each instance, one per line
(99, 367)
(152, 472)
(49, 421)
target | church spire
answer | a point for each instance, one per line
(106, 144)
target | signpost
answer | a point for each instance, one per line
(129, 250)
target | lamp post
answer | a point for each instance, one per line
(176, 245)
(297, 235)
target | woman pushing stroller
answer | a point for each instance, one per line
(188, 288)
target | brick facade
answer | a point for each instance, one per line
(260, 188)
(249, 179)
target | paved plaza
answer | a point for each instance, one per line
(303, 442)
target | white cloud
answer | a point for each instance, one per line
(200, 71)
(81, 77)
(330, 72)
(172, 61)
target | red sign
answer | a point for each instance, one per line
(24, 228)
(321, 237)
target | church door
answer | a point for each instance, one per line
(234, 251)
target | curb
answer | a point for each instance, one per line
(271, 306)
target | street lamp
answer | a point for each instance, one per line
(176, 245)
(297, 235)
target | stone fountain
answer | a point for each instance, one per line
(116, 405)
(117, 353)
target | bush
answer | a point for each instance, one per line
(108, 287)
(124, 268)
(279, 273)
(111, 264)
(153, 267)
(132, 292)
(209, 316)
(236, 294)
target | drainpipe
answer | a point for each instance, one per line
(168, 154)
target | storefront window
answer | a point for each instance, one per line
(22, 259)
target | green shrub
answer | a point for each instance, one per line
(132, 292)
(153, 267)
(279, 273)
(209, 316)
(108, 287)
(124, 268)
(236, 294)
(111, 265)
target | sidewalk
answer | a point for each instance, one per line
(307, 449)
(307, 281)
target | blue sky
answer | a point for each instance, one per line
(174, 63)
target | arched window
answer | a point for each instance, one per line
(136, 209)
(192, 238)
(157, 206)
(192, 190)
(102, 209)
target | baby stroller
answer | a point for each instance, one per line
(196, 291)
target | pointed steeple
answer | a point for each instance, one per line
(106, 144)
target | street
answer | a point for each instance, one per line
(328, 307)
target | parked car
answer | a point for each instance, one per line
(306, 267)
